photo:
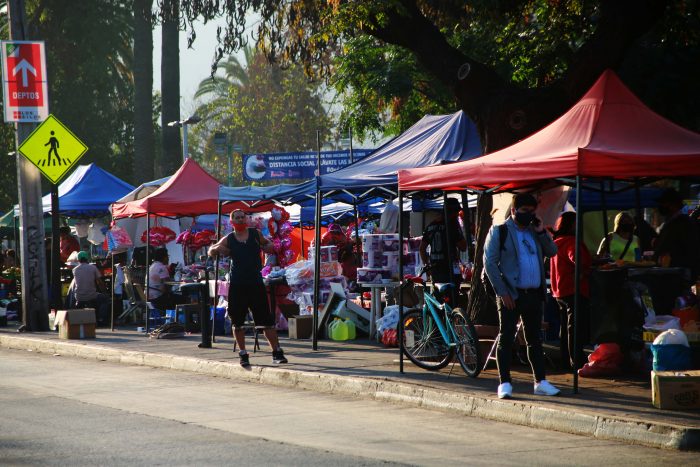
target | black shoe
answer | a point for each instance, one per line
(278, 357)
(244, 360)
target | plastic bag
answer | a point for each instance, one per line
(390, 338)
(118, 240)
(672, 337)
(299, 272)
(604, 361)
(671, 357)
(390, 318)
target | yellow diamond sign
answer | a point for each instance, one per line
(53, 149)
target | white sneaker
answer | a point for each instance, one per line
(505, 391)
(545, 388)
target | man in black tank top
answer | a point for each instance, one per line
(246, 288)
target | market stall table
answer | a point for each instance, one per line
(376, 302)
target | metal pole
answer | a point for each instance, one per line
(400, 282)
(216, 267)
(603, 205)
(147, 279)
(577, 278)
(466, 222)
(114, 280)
(317, 246)
(448, 250)
(55, 295)
(33, 253)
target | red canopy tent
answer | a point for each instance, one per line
(191, 191)
(608, 133)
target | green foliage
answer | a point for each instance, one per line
(259, 106)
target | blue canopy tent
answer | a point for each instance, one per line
(433, 140)
(623, 198)
(87, 192)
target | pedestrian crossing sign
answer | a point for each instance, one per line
(53, 149)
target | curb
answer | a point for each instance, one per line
(657, 435)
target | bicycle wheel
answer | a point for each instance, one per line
(468, 349)
(423, 343)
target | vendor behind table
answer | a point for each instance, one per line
(621, 244)
(443, 257)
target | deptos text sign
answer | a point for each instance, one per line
(25, 86)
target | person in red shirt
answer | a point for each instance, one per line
(68, 243)
(562, 276)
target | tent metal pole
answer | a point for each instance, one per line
(317, 246)
(638, 201)
(603, 204)
(448, 250)
(401, 279)
(357, 220)
(466, 222)
(216, 266)
(55, 290)
(148, 259)
(577, 280)
(114, 280)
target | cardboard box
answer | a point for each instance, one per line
(679, 390)
(300, 326)
(76, 324)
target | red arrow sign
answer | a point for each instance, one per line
(24, 79)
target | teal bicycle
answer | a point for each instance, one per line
(436, 333)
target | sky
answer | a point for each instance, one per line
(195, 63)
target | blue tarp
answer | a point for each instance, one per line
(88, 191)
(592, 200)
(434, 139)
(282, 193)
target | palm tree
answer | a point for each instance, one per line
(170, 89)
(144, 142)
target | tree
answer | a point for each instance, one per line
(259, 106)
(171, 157)
(511, 66)
(144, 141)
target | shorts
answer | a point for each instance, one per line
(253, 297)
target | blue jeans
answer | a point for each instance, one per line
(529, 307)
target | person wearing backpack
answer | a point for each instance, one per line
(515, 268)
(562, 274)
(621, 243)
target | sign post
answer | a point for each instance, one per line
(33, 259)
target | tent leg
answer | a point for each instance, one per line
(401, 279)
(577, 280)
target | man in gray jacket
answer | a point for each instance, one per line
(516, 272)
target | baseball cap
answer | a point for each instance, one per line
(83, 256)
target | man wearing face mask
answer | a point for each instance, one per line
(516, 271)
(246, 288)
(677, 244)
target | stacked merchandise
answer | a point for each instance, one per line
(380, 258)
(300, 278)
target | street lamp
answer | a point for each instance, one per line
(184, 123)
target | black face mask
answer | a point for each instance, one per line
(524, 218)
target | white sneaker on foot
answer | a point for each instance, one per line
(545, 388)
(505, 391)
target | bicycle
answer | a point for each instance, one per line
(436, 332)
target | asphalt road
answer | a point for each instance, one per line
(63, 411)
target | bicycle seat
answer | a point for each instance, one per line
(443, 287)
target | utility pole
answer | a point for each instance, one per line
(33, 259)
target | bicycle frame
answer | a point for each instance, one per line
(447, 332)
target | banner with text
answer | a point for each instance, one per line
(277, 166)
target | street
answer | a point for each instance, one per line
(63, 411)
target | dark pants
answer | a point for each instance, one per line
(529, 307)
(566, 328)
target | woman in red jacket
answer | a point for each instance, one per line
(562, 276)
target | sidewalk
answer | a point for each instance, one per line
(618, 409)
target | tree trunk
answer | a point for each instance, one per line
(170, 90)
(481, 309)
(144, 141)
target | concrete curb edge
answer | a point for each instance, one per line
(658, 435)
